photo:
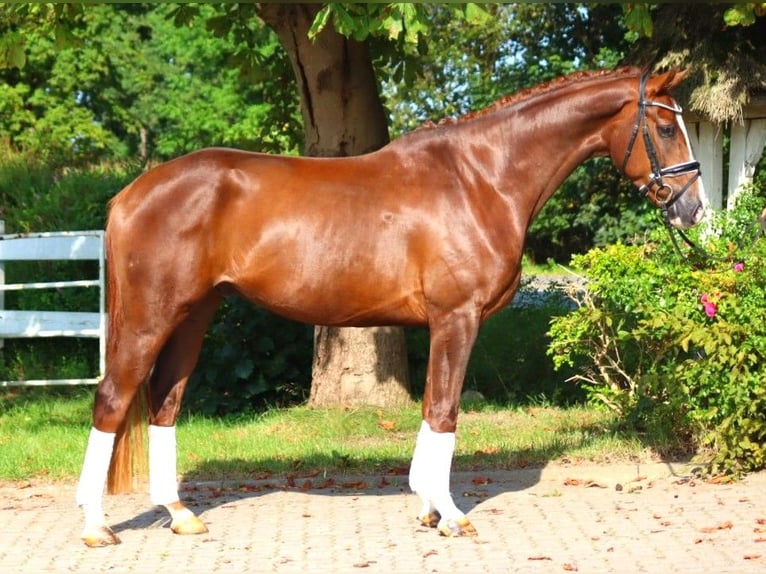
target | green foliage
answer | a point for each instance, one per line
(667, 343)
(251, 359)
(128, 82)
(508, 364)
(404, 21)
(744, 14)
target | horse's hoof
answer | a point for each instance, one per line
(188, 525)
(431, 520)
(101, 536)
(456, 528)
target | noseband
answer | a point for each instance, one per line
(665, 194)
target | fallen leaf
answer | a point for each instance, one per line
(751, 556)
(365, 564)
(570, 567)
(399, 470)
(306, 485)
(431, 553)
(387, 425)
(722, 526)
(760, 539)
(539, 558)
(571, 482)
(720, 479)
(760, 520)
(478, 480)
(383, 482)
(594, 484)
(309, 474)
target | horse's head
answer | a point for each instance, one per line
(654, 152)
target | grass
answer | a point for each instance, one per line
(43, 433)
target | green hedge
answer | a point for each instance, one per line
(678, 343)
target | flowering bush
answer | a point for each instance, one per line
(676, 342)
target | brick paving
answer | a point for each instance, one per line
(561, 518)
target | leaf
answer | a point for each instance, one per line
(476, 14)
(480, 480)
(244, 368)
(740, 15)
(638, 19)
(16, 56)
(319, 23)
(387, 425)
(727, 525)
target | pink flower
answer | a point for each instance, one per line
(710, 308)
(739, 266)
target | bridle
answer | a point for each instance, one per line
(664, 193)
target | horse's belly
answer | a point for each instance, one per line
(340, 300)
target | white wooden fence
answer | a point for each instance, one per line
(15, 324)
(747, 140)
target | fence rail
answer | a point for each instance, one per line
(54, 246)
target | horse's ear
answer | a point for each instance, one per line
(665, 83)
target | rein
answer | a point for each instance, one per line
(665, 194)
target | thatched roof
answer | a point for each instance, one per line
(727, 64)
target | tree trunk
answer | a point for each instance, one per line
(342, 115)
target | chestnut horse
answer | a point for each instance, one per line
(426, 231)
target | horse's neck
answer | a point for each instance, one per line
(547, 136)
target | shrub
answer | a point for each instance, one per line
(681, 345)
(508, 363)
(251, 358)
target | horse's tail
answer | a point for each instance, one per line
(129, 453)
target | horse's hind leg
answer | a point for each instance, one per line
(128, 366)
(168, 381)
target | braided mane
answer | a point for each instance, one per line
(556, 84)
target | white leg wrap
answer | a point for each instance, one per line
(430, 471)
(90, 489)
(163, 479)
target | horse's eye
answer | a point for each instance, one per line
(668, 131)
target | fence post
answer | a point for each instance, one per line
(2, 279)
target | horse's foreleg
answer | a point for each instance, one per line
(452, 339)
